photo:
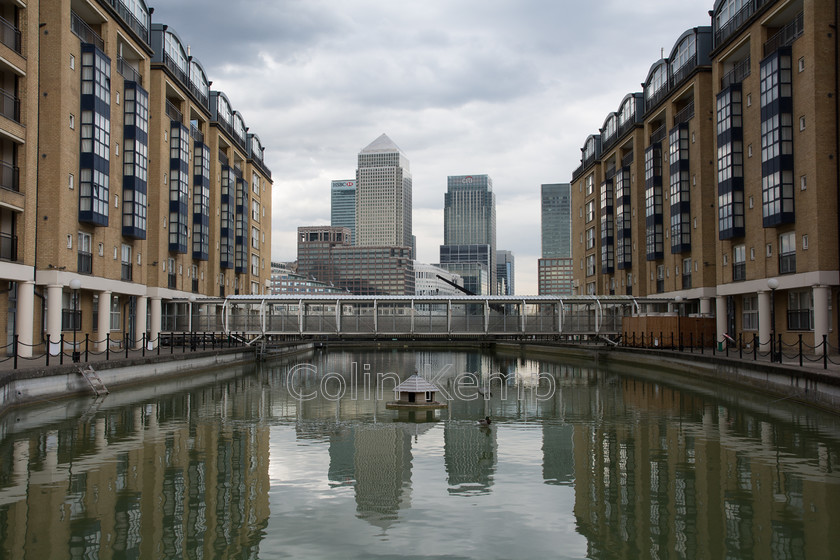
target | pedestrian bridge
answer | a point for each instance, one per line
(355, 316)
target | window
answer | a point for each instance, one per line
(800, 313)
(776, 139)
(739, 263)
(787, 253)
(590, 184)
(590, 265)
(653, 202)
(590, 211)
(686, 274)
(255, 211)
(660, 278)
(85, 258)
(749, 316)
(679, 195)
(730, 164)
(126, 263)
(255, 238)
(590, 238)
(116, 322)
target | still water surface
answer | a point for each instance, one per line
(261, 462)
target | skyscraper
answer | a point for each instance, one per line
(556, 220)
(555, 266)
(469, 229)
(504, 273)
(383, 196)
(343, 206)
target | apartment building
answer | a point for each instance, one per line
(123, 218)
(704, 186)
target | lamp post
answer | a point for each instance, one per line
(75, 285)
(773, 284)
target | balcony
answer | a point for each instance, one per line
(129, 18)
(9, 106)
(84, 262)
(196, 134)
(84, 32)
(8, 247)
(627, 160)
(173, 67)
(200, 95)
(128, 72)
(10, 35)
(785, 36)
(683, 71)
(685, 114)
(735, 76)
(9, 177)
(658, 135)
(173, 112)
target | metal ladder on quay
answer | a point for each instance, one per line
(93, 380)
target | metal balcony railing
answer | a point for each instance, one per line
(683, 71)
(128, 72)
(175, 69)
(735, 76)
(84, 32)
(129, 18)
(685, 114)
(786, 35)
(658, 135)
(10, 35)
(196, 134)
(173, 112)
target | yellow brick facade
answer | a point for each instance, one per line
(800, 218)
(86, 205)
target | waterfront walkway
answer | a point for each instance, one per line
(813, 365)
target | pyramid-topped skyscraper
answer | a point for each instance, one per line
(383, 195)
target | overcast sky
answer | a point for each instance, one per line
(507, 88)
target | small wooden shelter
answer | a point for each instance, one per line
(415, 393)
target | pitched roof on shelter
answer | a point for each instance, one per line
(415, 384)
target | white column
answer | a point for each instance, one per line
(720, 317)
(54, 317)
(821, 297)
(24, 317)
(154, 328)
(705, 306)
(104, 320)
(140, 321)
(764, 324)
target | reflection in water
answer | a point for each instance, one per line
(591, 464)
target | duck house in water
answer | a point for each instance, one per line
(415, 393)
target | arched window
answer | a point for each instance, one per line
(658, 79)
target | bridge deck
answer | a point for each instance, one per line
(423, 316)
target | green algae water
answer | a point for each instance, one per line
(300, 459)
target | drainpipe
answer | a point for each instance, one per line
(837, 124)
